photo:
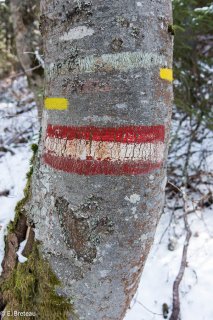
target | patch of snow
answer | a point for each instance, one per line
(13, 170)
(208, 9)
(21, 258)
(18, 130)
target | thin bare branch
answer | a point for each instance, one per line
(176, 298)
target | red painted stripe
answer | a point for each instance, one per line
(125, 134)
(91, 167)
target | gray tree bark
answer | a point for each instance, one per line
(98, 188)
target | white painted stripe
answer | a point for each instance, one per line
(113, 151)
(107, 62)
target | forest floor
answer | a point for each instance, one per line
(186, 222)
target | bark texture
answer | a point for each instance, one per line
(97, 201)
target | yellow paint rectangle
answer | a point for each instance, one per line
(56, 103)
(166, 74)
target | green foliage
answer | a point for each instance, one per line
(31, 288)
(193, 25)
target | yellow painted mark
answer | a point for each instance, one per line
(56, 103)
(166, 74)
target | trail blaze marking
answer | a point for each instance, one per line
(56, 103)
(122, 61)
(166, 74)
(92, 150)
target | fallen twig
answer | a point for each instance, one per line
(158, 314)
(24, 72)
(6, 149)
(4, 193)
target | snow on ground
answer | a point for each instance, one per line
(162, 267)
(163, 263)
(13, 177)
(19, 129)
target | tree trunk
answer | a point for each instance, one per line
(25, 15)
(98, 189)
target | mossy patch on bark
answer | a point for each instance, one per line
(31, 288)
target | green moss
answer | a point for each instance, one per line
(34, 147)
(171, 29)
(31, 288)
(19, 209)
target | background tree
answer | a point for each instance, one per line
(25, 18)
(8, 59)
